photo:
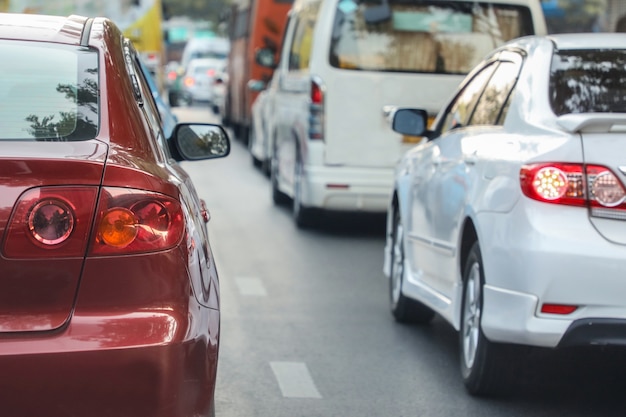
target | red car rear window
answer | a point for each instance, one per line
(48, 92)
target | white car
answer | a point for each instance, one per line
(264, 115)
(509, 219)
(199, 79)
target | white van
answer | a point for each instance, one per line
(346, 64)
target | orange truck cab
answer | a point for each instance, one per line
(253, 24)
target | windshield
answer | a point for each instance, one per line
(588, 82)
(48, 92)
(429, 37)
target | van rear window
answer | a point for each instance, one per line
(48, 92)
(442, 37)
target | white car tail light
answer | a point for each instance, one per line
(594, 186)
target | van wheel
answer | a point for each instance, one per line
(487, 368)
(302, 215)
(256, 162)
(403, 309)
(278, 197)
(172, 98)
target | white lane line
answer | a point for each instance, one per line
(251, 287)
(294, 380)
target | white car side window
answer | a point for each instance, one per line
(491, 108)
(462, 108)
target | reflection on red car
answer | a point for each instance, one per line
(109, 293)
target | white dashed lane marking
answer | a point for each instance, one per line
(295, 380)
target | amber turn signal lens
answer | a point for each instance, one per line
(118, 227)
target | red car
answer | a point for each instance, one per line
(109, 294)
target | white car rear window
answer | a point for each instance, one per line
(588, 81)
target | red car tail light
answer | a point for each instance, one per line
(134, 221)
(595, 186)
(189, 81)
(51, 222)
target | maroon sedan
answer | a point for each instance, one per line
(109, 296)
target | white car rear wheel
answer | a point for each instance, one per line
(487, 368)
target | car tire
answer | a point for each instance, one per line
(278, 197)
(256, 162)
(172, 98)
(303, 216)
(403, 309)
(487, 368)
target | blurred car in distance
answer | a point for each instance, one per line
(220, 81)
(261, 129)
(510, 220)
(109, 292)
(199, 80)
(202, 47)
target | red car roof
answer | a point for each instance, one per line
(42, 28)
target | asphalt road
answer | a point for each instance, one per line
(306, 329)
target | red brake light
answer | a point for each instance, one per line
(132, 221)
(57, 222)
(595, 186)
(172, 75)
(210, 72)
(554, 183)
(317, 95)
(51, 222)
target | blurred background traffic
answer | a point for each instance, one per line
(174, 35)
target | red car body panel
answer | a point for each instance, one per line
(121, 335)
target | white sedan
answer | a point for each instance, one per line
(509, 219)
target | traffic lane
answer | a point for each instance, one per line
(325, 306)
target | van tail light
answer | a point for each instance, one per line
(316, 110)
(134, 221)
(189, 81)
(58, 222)
(593, 186)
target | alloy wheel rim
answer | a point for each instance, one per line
(471, 315)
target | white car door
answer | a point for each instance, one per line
(445, 193)
(470, 155)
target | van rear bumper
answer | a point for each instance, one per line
(348, 188)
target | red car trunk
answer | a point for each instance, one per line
(39, 276)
